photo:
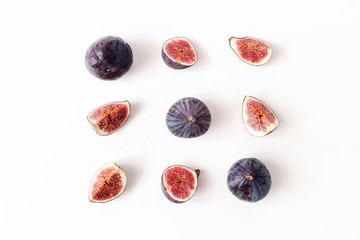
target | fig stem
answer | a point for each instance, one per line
(249, 176)
(197, 171)
(192, 119)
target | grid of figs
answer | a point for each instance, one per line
(109, 58)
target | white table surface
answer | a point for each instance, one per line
(49, 152)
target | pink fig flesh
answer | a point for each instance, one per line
(179, 183)
(251, 50)
(109, 117)
(107, 184)
(258, 118)
(178, 53)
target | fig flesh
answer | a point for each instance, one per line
(188, 118)
(251, 50)
(108, 183)
(249, 179)
(109, 117)
(179, 183)
(109, 58)
(258, 118)
(178, 53)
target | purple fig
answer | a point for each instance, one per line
(109, 58)
(188, 118)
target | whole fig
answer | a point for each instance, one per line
(109, 58)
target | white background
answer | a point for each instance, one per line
(49, 152)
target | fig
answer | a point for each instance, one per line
(109, 117)
(179, 183)
(249, 179)
(109, 58)
(188, 118)
(251, 50)
(258, 118)
(178, 53)
(107, 184)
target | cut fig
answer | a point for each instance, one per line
(108, 183)
(178, 53)
(251, 50)
(109, 58)
(258, 118)
(249, 179)
(188, 118)
(109, 117)
(179, 183)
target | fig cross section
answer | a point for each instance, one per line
(258, 118)
(179, 183)
(178, 53)
(108, 183)
(251, 50)
(108, 118)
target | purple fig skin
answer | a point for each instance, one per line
(197, 171)
(109, 58)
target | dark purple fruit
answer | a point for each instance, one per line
(258, 118)
(178, 53)
(251, 50)
(179, 183)
(107, 184)
(109, 117)
(249, 179)
(188, 117)
(109, 58)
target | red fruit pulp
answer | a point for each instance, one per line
(180, 51)
(107, 185)
(181, 182)
(110, 117)
(259, 115)
(252, 50)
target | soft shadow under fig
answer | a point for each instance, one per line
(278, 54)
(136, 108)
(276, 176)
(143, 53)
(133, 173)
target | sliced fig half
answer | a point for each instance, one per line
(188, 118)
(109, 117)
(251, 50)
(178, 53)
(107, 184)
(258, 118)
(179, 183)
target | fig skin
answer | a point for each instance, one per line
(109, 58)
(177, 64)
(195, 173)
(263, 120)
(108, 118)
(102, 173)
(256, 54)
(249, 179)
(188, 118)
